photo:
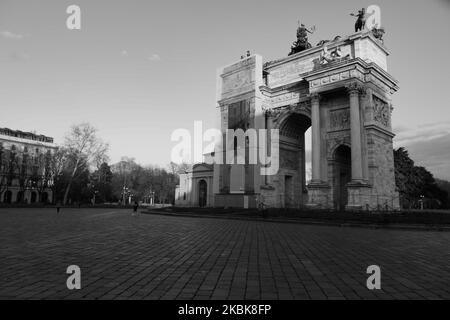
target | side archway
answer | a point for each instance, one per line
(202, 193)
(342, 169)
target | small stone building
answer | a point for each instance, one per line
(196, 187)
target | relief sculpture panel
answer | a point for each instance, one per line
(238, 82)
(339, 119)
(381, 111)
(289, 159)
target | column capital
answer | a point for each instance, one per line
(272, 112)
(355, 88)
(315, 97)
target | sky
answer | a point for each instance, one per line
(138, 70)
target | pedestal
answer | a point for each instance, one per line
(318, 195)
(358, 196)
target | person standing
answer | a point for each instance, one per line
(135, 207)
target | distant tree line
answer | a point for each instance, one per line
(416, 184)
(78, 172)
(83, 175)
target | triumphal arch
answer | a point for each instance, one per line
(342, 90)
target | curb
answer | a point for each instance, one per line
(307, 222)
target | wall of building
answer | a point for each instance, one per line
(25, 174)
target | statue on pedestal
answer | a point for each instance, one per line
(302, 39)
(378, 33)
(360, 23)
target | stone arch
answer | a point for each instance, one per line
(335, 145)
(286, 112)
(292, 173)
(341, 174)
(294, 124)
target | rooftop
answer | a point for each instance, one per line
(25, 135)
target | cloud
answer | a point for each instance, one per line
(124, 53)
(10, 35)
(423, 133)
(429, 146)
(19, 56)
(154, 57)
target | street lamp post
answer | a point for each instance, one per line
(151, 197)
(421, 202)
(124, 193)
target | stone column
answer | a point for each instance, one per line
(355, 132)
(269, 127)
(315, 124)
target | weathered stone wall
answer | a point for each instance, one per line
(381, 170)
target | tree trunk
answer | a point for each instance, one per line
(66, 193)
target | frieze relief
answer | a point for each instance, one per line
(301, 107)
(290, 72)
(289, 159)
(381, 111)
(336, 77)
(238, 81)
(340, 119)
(282, 99)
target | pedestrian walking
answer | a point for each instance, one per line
(135, 207)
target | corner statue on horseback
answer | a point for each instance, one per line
(302, 39)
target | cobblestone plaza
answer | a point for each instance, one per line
(161, 257)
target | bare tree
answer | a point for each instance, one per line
(83, 148)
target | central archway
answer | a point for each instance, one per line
(292, 173)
